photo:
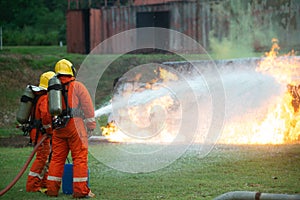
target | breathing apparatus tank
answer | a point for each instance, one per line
(55, 96)
(25, 105)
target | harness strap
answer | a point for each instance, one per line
(73, 112)
(65, 95)
(25, 99)
(55, 87)
(36, 123)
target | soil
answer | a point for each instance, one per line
(17, 141)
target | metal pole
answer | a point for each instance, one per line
(1, 38)
(247, 195)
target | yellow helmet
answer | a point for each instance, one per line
(44, 78)
(64, 67)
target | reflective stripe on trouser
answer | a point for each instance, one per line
(80, 188)
(59, 154)
(64, 140)
(36, 177)
(84, 179)
(53, 185)
(54, 178)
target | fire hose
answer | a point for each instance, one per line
(246, 195)
(9, 186)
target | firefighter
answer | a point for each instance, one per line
(71, 135)
(40, 123)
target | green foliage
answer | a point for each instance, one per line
(37, 22)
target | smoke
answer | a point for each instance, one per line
(230, 49)
(238, 41)
(250, 25)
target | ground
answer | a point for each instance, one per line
(17, 141)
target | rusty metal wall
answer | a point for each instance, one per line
(193, 18)
(75, 32)
(148, 2)
(107, 22)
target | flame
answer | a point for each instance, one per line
(166, 75)
(281, 124)
(285, 69)
(145, 115)
(109, 129)
(112, 133)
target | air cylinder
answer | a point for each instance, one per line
(55, 96)
(25, 105)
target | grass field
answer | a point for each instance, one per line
(263, 168)
(266, 168)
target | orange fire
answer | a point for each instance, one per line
(145, 116)
(284, 68)
(281, 124)
(109, 129)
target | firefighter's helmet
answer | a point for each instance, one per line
(44, 79)
(64, 67)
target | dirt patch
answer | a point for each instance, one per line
(17, 141)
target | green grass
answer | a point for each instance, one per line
(6, 132)
(271, 169)
(38, 50)
(267, 169)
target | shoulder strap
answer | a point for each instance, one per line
(34, 102)
(65, 95)
(33, 122)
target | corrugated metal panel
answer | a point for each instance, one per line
(148, 2)
(107, 22)
(193, 18)
(95, 28)
(75, 32)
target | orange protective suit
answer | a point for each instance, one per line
(38, 172)
(73, 137)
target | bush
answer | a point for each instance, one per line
(30, 36)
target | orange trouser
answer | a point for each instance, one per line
(63, 140)
(37, 178)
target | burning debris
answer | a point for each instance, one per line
(281, 123)
(294, 91)
(153, 113)
(109, 129)
(149, 101)
(286, 70)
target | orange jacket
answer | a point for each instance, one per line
(41, 114)
(79, 97)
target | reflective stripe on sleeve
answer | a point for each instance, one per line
(83, 179)
(35, 175)
(54, 178)
(47, 126)
(92, 119)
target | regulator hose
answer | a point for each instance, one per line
(9, 186)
